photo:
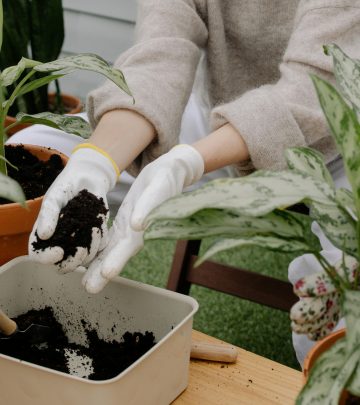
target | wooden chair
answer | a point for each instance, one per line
(242, 283)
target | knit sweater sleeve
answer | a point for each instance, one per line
(287, 113)
(159, 70)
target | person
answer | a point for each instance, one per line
(261, 98)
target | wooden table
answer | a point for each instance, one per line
(252, 380)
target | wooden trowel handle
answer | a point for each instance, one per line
(7, 325)
(213, 352)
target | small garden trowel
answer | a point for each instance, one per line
(33, 334)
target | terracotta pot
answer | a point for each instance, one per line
(317, 350)
(16, 222)
(73, 105)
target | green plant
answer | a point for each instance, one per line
(252, 211)
(21, 74)
(33, 29)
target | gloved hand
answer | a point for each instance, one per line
(88, 168)
(318, 311)
(165, 177)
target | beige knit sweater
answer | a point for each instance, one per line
(259, 56)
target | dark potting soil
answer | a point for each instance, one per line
(74, 228)
(35, 176)
(108, 358)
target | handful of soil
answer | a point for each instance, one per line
(108, 358)
(34, 175)
(76, 221)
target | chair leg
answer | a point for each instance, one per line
(177, 280)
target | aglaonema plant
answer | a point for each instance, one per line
(23, 75)
(251, 211)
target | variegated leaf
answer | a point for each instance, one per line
(12, 73)
(254, 195)
(34, 84)
(271, 242)
(70, 124)
(345, 128)
(347, 73)
(337, 224)
(345, 198)
(86, 61)
(353, 385)
(11, 190)
(351, 310)
(212, 222)
(308, 161)
(323, 377)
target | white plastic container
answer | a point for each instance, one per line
(157, 378)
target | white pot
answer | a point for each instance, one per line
(157, 378)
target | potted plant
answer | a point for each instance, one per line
(15, 235)
(252, 211)
(34, 29)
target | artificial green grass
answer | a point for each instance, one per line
(254, 327)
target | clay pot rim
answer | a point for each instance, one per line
(316, 351)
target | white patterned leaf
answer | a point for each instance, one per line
(337, 224)
(351, 310)
(329, 376)
(11, 190)
(12, 73)
(353, 385)
(212, 222)
(86, 61)
(254, 195)
(70, 124)
(308, 161)
(271, 242)
(345, 198)
(345, 128)
(347, 73)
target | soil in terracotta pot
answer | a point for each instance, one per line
(35, 176)
(108, 358)
(74, 228)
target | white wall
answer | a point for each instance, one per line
(104, 27)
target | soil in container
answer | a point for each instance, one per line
(76, 221)
(34, 175)
(108, 358)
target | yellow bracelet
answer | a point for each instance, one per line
(91, 146)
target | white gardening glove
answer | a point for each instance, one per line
(88, 168)
(318, 311)
(165, 177)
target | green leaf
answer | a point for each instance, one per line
(328, 376)
(47, 22)
(337, 224)
(308, 161)
(212, 222)
(351, 310)
(70, 124)
(12, 73)
(345, 128)
(347, 73)
(34, 84)
(11, 189)
(271, 242)
(86, 61)
(254, 195)
(353, 385)
(345, 198)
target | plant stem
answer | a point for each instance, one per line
(331, 272)
(16, 92)
(59, 106)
